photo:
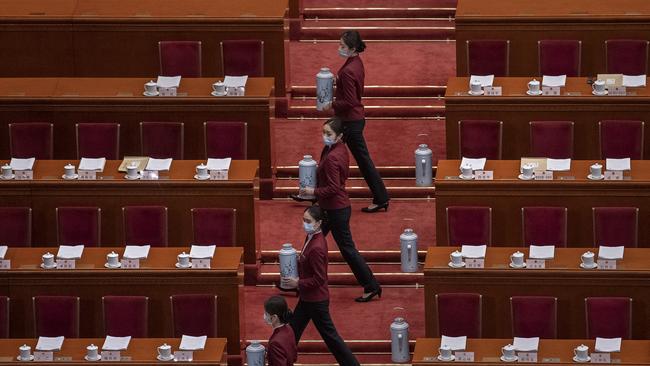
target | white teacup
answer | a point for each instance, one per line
(132, 170)
(445, 352)
(588, 259)
(581, 352)
(466, 171)
(533, 86)
(508, 352)
(25, 352)
(596, 170)
(219, 87)
(598, 86)
(48, 260)
(475, 87)
(151, 87)
(456, 258)
(7, 172)
(184, 259)
(112, 259)
(92, 352)
(69, 170)
(527, 170)
(165, 351)
(202, 170)
(517, 259)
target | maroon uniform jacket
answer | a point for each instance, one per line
(331, 176)
(282, 347)
(349, 90)
(312, 269)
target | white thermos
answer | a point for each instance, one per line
(307, 173)
(288, 262)
(324, 88)
(255, 354)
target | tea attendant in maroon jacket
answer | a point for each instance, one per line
(282, 349)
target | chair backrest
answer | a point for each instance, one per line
(468, 225)
(126, 316)
(551, 139)
(4, 317)
(98, 140)
(180, 58)
(559, 57)
(544, 226)
(626, 56)
(226, 140)
(534, 316)
(214, 226)
(243, 57)
(16, 226)
(56, 316)
(609, 317)
(488, 57)
(194, 315)
(145, 225)
(31, 140)
(616, 226)
(621, 139)
(78, 225)
(162, 140)
(480, 139)
(459, 314)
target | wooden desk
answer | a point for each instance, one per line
(117, 38)
(507, 194)
(562, 278)
(516, 110)
(140, 351)
(555, 351)
(526, 22)
(157, 278)
(67, 101)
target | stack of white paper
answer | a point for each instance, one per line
(473, 251)
(116, 343)
(608, 344)
(22, 164)
(92, 164)
(189, 343)
(542, 252)
(136, 251)
(159, 164)
(455, 343)
(558, 165)
(219, 164)
(485, 80)
(617, 164)
(49, 343)
(559, 80)
(526, 344)
(168, 81)
(235, 81)
(633, 81)
(70, 252)
(476, 164)
(202, 251)
(610, 252)
(3, 251)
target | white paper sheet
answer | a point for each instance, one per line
(455, 343)
(549, 80)
(617, 164)
(558, 165)
(526, 344)
(49, 343)
(116, 343)
(3, 251)
(219, 164)
(202, 251)
(542, 252)
(168, 81)
(485, 80)
(92, 164)
(70, 251)
(477, 164)
(473, 251)
(235, 81)
(22, 164)
(159, 164)
(136, 251)
(190, 343)
(634, 81)
(608, 344)
(611, 252)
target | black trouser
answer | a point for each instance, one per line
(338, 222)
(319, 313)
(353, 137)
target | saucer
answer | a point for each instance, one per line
(178, 265)
(215, 94)
(31, 358)
(582, 265)
(451, 358)
(466, 178)
(133, 178)
(159, 358)
(512, 265)
(43, 266)
(576, 359)
(539, 92)
(599, 94)
(523, 177)
(513, 359)
(461, 265)
(198, 177)
(154, 94)
(109, 266)
(99, 357)
(476, 94)
(594, 178)
(12, 177)
(70, 178)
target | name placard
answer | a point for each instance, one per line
(601, 357)
(535, 264)
(527, 356)
(5, 263)
(607, 264)
(111, 356)
(493, 91)
(218, 175)
(551, 90)
(618, 91)
(87, 175)
(167, 92)
(484, 175)
(201, 263)
(613, 175)
(43, 356)
(544, 175)
(65, 264)
(464, 356)
(150, 175)
(475, 262)
(129, 263)
(24, 174)
(186, 356)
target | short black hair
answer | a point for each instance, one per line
(336, 124)
(352, 39)
(315, 212)
(277, 305)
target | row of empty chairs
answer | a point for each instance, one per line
(460, 314)
(102, 140)
(143, 225)
(552, 139)
(54, 316)
(613, 226)
(558, 57)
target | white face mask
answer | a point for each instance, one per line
(308, 227)
(328, 141)
(267, 318)
(343, 53)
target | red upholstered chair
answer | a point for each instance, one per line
(180, 58)
(78, 225)
(16, 226)
(551, 139)
(534, 316)
(98, 140)
(4, 317)
(467, 225)
(145, 225)
(126, 316)
(214, 226)
(616, 226)
(243, 57)
(162, 140)
(544, 226)
(459, 314)
(609, 317)
(621, 139)
(31, 140)
(488, 57)
(627, 56)
(559, 57)
(226, 140)
(480, 139)
(56, 316)
(194, 315)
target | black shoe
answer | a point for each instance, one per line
(368, 297)
(383, 206)
(297, 198)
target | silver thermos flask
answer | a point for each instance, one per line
(399, 341)
(409, 251)
(423, 166)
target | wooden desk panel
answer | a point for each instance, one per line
(562, 278)
(526, 22)
(516, 110)
(157, 278)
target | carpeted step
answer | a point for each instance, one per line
(326, 359)
(340, 274)
(376, 107)
(378, 8)
(382, 29)
(357, 188)
(382, 91)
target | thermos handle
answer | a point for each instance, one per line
(409, 247)
(424, 166)
(399, 342)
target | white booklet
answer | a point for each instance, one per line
(49, 343)
(611, 252)
(476, 164)
(22, 164)
(608, 344)
(526, 344)
(70, 252)
(485, 80)
(202, 251)
(455, 343)
(116, 343)
(634, 81)
(96, 164)
(190, 343)
(559, 80)
(136, 251)
(219, 164)
(159, 164)
(473, 251)
(558, 165)
(168, 81)
(3, 251)
(542, 252)
(617, 164)
(235, 81)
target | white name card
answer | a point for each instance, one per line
(24, 174)
(618, 91)
(544, 175)
(527, 356)
(607, 263)
(475, 262)
(43, 356)
(613, 175)
(111, 356)
(129, 263)
(186, 356)
(601, 357)
(484, 175)
(464, 356)
(551, 90)
(65, 264)
(218, 175)
(535, 264)
(167, 92)
(87, 175)
(202, 263)
(149, 175)
(494, 91)
(5, 263)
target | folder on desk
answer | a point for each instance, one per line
(611, 80)
(49, 343)
(141, 161)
